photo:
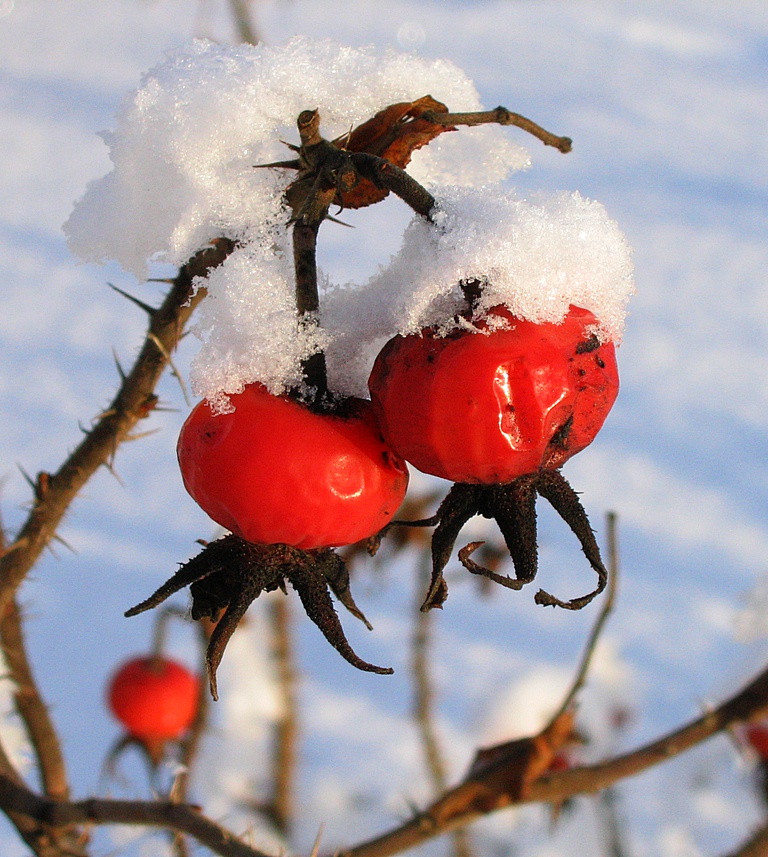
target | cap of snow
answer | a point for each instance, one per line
(184, 149)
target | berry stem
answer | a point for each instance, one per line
(385, 174)
(308, 301)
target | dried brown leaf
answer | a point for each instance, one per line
(502, 775)
(394, 133)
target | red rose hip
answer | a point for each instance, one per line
(487, 407)
(275, 472)
(154, 698)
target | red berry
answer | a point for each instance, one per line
(154, 698)
(489, 407)
(756, 735)
(272, 471)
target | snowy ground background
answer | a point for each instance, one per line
(666, 103)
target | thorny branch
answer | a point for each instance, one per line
(31, 708)
(605, 611)
(135, 399)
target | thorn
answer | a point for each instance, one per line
(120, 370)
(281, 165)
(318, 839)
(39, 485)
(66, 544)
(30, 481)
(141, 434)
(174, 371)
(340, 222)
(110, 465)
(139, 303)
(347, 138)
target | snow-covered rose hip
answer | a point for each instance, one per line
(275, 472)
(488, 407)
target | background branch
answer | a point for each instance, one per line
(488, 791)
(286, 733)
(424, 695)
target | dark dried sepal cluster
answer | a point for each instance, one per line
(230, 573)
(513, 506)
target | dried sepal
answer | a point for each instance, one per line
(230, 573)
(513, 506)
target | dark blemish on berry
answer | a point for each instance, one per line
(589, 345)
(560, 437)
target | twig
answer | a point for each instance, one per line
(31, 707)
(44, 842)
(40, 730)
(134, 400)
(308, 301)
(190, 745)
(502, 116)
(20, 801)
(246, 31)
(423, 692)
(286, 733)
(385, 174)
(423, 700)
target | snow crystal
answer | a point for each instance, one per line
(184, 150)
(249, 326)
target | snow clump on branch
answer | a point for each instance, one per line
(184, 149)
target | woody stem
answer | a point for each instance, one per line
(308, 301)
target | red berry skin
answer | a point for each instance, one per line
(486, 408)
(154, 698)
(756, 735)
(274, 472)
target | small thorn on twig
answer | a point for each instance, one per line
(110, 466)
(340, 222)
(140, 434)
(150, 311)
(64, 542)
(280, 165)
(120, 370)
(174, 371)
(39, 485)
